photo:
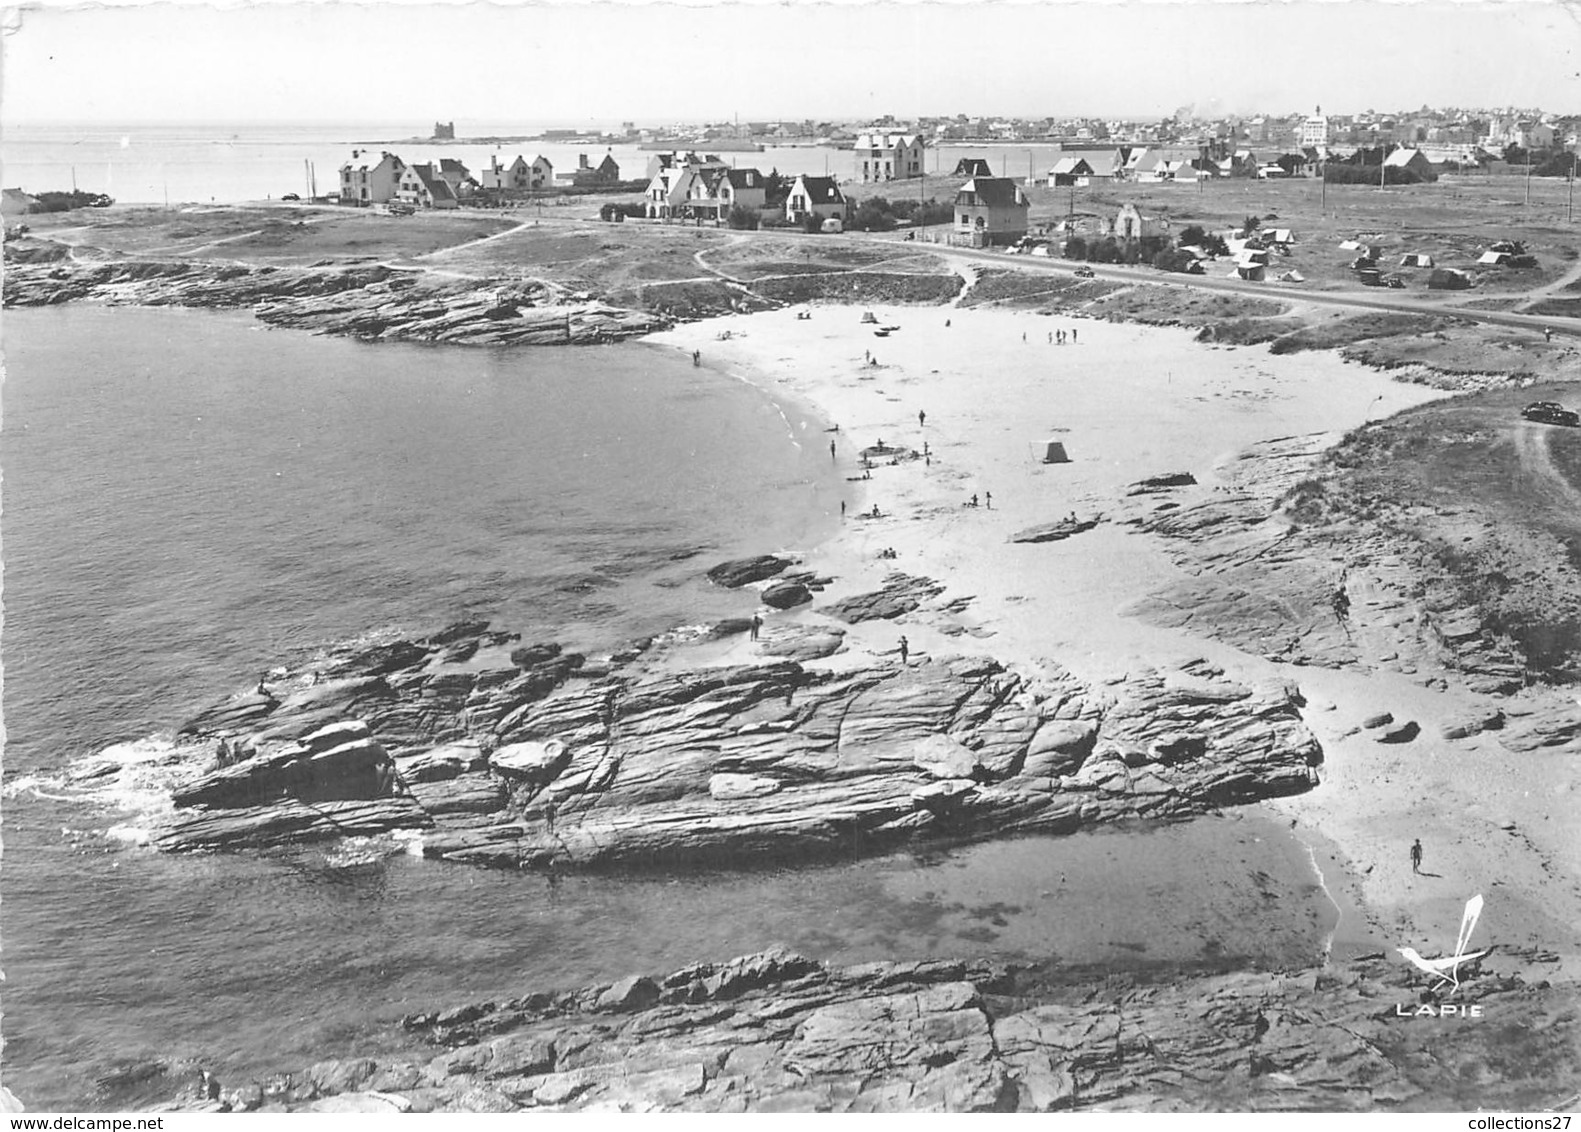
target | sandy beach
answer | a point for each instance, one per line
(1130, 402)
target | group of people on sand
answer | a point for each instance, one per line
(1059, 337)
(888, 552)
(988, 498)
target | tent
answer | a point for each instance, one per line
(1416, 259)
(1054, 452)
(1251, 271)
(1292, 277)
(1494, 258)
(1350, 245)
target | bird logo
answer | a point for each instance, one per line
(1447, 969)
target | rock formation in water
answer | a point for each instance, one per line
(370, 302)
(527, 756)
(776, 1032)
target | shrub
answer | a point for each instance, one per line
(743, 219)
(1076, 248)
(812, 223)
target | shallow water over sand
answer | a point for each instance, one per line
(189, 498)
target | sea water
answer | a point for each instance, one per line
(189, 498)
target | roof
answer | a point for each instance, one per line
(744, 178)
(1071, 167)
(451, 165)
(821, 190)
(995, 192)
(1402, 157)
(437, 186)
(885, 141)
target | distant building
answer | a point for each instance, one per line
(444, 131)
(990, 211)
(456, 176)
(423, 186)
(887, 157)
(1314, 130)
(1130, 223)
(741, 188)
(1413, 160)
(674, 159)
(816, 196)
(519, 175)
(606, 172)
(374, 183)
(973, 167)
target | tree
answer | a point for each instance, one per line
(1252, 224)
(742, 219)
(1192, 236)
(875, 214)
(776, 189)
(812, 223)
(1076, 248)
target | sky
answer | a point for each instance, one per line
(574, 64)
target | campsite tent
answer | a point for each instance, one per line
(1493, 258)
(1251, 271)
(1416, 259)
(1292, 277)
(1350, 245)
(1054, 452)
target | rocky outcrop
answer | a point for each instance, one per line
(359, 301)
(743, 571)
(520, 758)
(777, 1032)
(786, 595)
(1056, 531)
(901, 594)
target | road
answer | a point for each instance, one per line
(1360, 300)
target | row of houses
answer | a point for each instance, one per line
(447, 182)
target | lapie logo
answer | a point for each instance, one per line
(1447, 968)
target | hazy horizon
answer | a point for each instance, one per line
(582, 65)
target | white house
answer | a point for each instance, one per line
(816, 196)
(374, 183)
(887, 157)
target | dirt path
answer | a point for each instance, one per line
(1538, 293)
(1542, 479)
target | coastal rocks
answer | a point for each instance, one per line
(743, 571)
(1166, 482)
(1553, 725)
(1056, 531)
(802, 643)
(778, 1032)
(337, 762)
(360, 301)
(526, 768)
(786, 595)
(1404, 733)
(901, 594)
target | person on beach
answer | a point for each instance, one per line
(877, 514)
(946, 324)
(905, 650)
(1416, 855)
(831, 450)
(1051, 338)
(1072, 337)
(757, 623)
(922, 418)
(1548, 334)
(973, 503)
(697, 357)
(988, 498)
(842, 508)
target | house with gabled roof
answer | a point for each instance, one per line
(887, 157)
(1130, 223)
(370, 182)
(424, 186)
(520, 175)
(816, 196)
(990, 211)
(742, 188)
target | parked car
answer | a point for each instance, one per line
(1551, 412)
(1085, 273)
(291, 196)
(1396, 281)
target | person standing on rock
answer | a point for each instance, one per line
(1416, 855)
(549, 810)
(757, 623)
(905, 650)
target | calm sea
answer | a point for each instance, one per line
(189, 497)
(151, 163)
